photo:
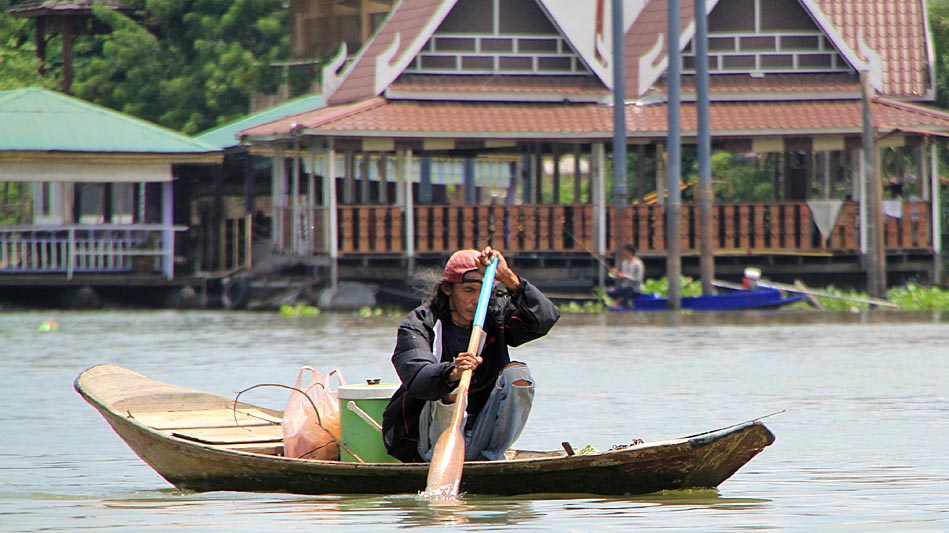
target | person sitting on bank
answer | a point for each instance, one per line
(629, 278)
(431, 352)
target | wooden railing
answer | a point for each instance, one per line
(752, 227)
(87, 249)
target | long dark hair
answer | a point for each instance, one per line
(439, 301)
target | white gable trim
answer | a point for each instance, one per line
(649, 69)
(835, 37)
(579, 28)
(874, 62)
(930, 54)
(330, 80)
(388, 67)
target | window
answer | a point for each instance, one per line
(123, 203)
(48, 203)
(90, 202)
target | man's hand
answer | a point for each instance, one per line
(464, 361)
(504, 273)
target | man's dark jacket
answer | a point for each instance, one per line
(511, 320)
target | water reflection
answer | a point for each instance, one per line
(763, 317)
(479, 511)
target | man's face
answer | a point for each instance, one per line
(463, 299)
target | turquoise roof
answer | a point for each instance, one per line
(34, 119)
(226, 135)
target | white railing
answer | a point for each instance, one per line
(112, 248)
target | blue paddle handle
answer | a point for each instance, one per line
(487, 284)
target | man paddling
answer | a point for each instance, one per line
(431, 354)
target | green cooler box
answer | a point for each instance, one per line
(360, 408)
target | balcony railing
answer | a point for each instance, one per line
(87, 249)
(746, 227)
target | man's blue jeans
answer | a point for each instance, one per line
(498, 425)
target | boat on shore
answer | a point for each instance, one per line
(205, 442)
(763, 298)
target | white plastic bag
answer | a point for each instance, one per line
(309, 433)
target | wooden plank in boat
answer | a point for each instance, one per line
(204, 418)
(231, 435)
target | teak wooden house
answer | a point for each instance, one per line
(464, 122)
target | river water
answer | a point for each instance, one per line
(861, 444)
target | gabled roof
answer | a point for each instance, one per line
(889, 39)
(226, 135)
(37, 120)
(892, 36)
(391, 49)
(411, 23)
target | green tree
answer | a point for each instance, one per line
(739, 178)
(19, 66)
(196, 65)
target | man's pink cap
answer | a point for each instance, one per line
(459, 264)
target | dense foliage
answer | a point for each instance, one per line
(187, 65)
(19, 66)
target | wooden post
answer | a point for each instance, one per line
(704, 226)
(278, 193)
(674, 205)
(556, 156)
(876, 256)
(577, 176)
(619, 133)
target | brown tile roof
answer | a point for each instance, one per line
(312, 119)
(897, 30)
(461, 87)
(406, 22)
(790, 118)
(774, 86)
(411, 118)
(377, 117)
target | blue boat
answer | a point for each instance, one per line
(729, 301)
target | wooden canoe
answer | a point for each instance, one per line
(204, 442)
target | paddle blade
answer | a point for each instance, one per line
(448, 458)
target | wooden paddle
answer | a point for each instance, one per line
(448, 457)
